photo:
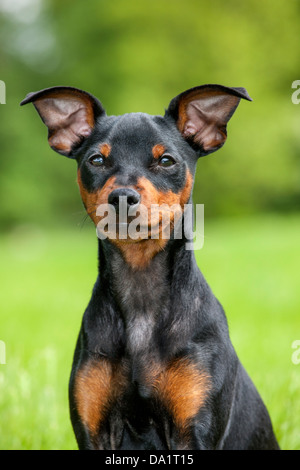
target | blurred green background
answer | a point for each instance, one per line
(136, 56)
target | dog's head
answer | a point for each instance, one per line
(137, 163)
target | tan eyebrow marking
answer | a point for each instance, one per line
(158, 150)
(105, 150)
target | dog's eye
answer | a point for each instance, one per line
(97, 160)
(166, 161)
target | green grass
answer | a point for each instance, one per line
(46, 280)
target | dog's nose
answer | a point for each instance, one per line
(124, 198)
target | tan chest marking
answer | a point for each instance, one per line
(97, 385)
(183, 389)
(180, 387)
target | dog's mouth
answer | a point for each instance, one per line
(144, 225)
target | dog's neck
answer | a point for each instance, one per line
(143, 286)
(153, 304)
(145, 269)
(137, 268)
(145, 297)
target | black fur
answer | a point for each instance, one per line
(161, 313)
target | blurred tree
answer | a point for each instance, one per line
(135, 56)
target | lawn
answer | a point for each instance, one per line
(46, 280)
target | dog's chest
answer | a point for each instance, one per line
(145, 385)
(106, 393)
(143, 299)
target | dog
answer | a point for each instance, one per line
(154, 367)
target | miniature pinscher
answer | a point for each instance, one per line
(154, 367)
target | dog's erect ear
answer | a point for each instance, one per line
(69, 114)
(202, 113)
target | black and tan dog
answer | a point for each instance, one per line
(154, 367)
